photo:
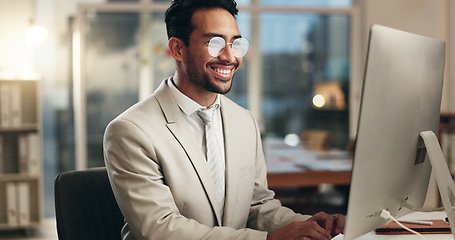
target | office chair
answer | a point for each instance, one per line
(85, 206)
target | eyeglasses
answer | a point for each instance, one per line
(216, 46)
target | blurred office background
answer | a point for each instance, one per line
(304, 69)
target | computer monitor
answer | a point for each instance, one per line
(401, 98)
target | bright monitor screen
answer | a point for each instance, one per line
(401, 97)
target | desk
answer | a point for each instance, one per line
(305, 178)
(411, 216)
(293, 166)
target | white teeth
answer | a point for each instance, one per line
(223, 71)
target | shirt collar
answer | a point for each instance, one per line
(186, 104)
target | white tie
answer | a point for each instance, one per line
(214, 158)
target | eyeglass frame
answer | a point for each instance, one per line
(224, 47)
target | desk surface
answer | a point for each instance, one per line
(411, 216)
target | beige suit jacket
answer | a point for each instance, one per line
(163, 185)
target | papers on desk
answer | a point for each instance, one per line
(327, 165)
(326, 161)
(301, 158)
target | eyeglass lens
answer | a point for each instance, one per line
(217, 45)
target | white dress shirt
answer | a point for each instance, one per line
(189, 110)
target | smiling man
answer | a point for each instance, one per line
(187, 163)
(201, 76)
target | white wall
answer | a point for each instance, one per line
(428, 18)
(14, 22)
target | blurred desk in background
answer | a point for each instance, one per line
(296, 167)
(308, 178)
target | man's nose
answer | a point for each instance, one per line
(228, 54)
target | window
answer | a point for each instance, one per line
(112, 80)
(297, 53)
(304, 55)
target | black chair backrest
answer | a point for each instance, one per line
(85, 206)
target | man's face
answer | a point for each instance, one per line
(213, 74)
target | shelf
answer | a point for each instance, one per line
(5, 226)
(31, 127)
(17, 177)
(20, 155)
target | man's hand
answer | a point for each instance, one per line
(321, 226)
(332, 223)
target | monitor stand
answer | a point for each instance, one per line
(443, 177)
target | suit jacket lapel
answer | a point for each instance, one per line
(182, 132)
(232, 145)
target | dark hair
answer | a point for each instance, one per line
(178, 15)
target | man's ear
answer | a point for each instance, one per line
(176, 47)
